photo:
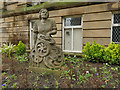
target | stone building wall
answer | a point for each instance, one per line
(96, 23)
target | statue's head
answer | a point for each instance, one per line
(43, 13)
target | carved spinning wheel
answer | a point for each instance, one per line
(54, 59)
(46, 53)
(42, 48)
(36, 58)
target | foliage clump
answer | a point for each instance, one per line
(7, 49)
(112, 53)
(93, 52)
(100, 53)
(20, 48)
(16, 51)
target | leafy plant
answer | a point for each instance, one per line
(8, 81)
(12, 76)
(112, 53)
(102, 86)
(14, 85)
(93, 52)
(35, 84)
(22, 58)
(20, 48)
(38, 78)
(57, 84)
(82, 79)
(45, 86)
(3, 74)
(8, 49)
(87, 75)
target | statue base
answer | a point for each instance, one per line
(44, 70)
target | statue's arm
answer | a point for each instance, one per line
(54, 29)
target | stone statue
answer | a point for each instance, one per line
(45, 53)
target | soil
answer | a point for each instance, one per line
(18, 72)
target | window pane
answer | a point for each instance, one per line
(67, 39)
(116, 34)
(117, 18)
(32, 35)
(77, 39)
(73, 21)
(32, 39)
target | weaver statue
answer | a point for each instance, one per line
(45, 53)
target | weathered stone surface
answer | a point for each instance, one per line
(1, 5)
(45, 54)
(2, 20)
(43, 70)
(21, 23)
(9, 19)
(58, 5)
(11, 7)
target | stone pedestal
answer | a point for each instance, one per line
(44, 70)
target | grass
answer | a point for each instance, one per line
(75, 73)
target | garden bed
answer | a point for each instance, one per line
(75, 73)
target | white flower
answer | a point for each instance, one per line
(6, 78)
(106, 63)
(87, 72)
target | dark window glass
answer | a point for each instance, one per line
(117, 18)
(116, 34)
(74, 21)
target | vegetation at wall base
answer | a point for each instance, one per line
(74, 73)
(100, 53)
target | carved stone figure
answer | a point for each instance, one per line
(45, 53)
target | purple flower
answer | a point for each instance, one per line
(97, 74)
(4, 84)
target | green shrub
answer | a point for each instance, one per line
(93, 52)
(20, 48)
(98, 53)
(112, 53)
(87, 51)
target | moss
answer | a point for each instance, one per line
(48, 5)
(36, 7)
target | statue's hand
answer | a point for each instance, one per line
(35, 31)
(48, 34)
(41, 36)
(47, 37)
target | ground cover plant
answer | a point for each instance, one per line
(76, 72)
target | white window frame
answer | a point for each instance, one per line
(31, 29)
(72, 27)
(114, 25)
